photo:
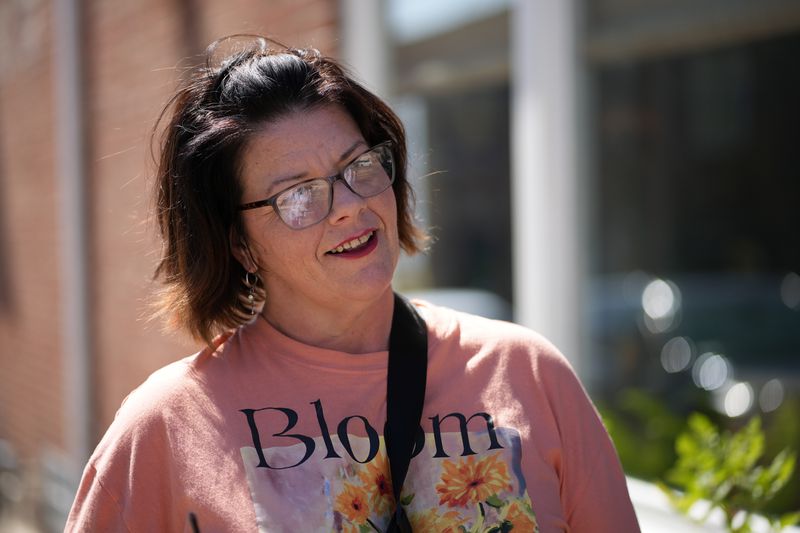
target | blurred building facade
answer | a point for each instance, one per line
(91, 173)
(623, 175)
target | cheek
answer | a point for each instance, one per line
(262, 233)
(280, 249)
(391, 210)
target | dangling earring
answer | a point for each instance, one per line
(251, 290)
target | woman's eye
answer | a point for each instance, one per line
(365, 162)
(301, 193)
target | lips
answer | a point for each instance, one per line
(353, 246)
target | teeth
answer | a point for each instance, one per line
(352, 244)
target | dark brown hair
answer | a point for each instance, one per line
(210, 120)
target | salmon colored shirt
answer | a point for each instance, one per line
(268, 434)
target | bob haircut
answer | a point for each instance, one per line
(211, 118)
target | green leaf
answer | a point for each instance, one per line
(702, 427)
(364, 528)
(504, 527)
(744, 448)
(724, 469)
(494, 501)
(407, 499)
(783, 465)
(789, 519)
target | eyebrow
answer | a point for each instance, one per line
(345, 155)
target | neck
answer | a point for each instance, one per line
(357, 327)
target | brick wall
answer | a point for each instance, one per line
(29, 318)
(135, 51)
(132, 50)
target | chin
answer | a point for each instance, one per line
(367, 289)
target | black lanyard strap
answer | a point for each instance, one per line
(405, 395)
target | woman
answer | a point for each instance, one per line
(283, 204)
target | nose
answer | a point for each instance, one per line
(346, 203)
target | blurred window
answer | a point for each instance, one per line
(695, 219)
(452, 71)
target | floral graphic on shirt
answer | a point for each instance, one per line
(352, 503)
(366, 500)
(432, 520)
(472, 480)
(458, 482)
(377, 480)
(520, 516)
(480, 489)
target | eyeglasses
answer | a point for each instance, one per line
(306, 203)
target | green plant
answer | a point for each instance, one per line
(782, 429)
(723, 469)
(643, 430)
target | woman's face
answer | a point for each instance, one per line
(302, 267)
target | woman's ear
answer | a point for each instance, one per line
(241, 251)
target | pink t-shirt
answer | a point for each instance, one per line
(268, 434)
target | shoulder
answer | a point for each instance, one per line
(144, 415)
(170, 386)
(498, 341)
(159, 403)
(160, 391)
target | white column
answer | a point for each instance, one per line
(544, 183)
(365, 43)
(366, 49)
(72, 209)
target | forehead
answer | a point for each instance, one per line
(304, 143)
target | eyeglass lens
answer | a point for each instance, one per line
(309, 202)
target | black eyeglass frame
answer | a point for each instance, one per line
(331, 180)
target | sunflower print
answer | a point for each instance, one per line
(472, 480)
